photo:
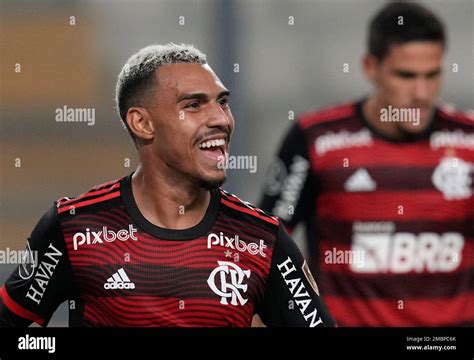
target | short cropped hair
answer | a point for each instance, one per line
(137, 81)
(401, 22)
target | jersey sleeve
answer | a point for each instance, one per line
(42, 281)
(292, 297)
(289, 188)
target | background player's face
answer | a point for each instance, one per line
(192, 107)
(408, 77)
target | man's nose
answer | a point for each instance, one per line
(421, 92)
(216, 117)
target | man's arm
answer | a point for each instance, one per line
(289, 186)
(42, 281)
(292, 297)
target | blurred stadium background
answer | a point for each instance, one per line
(281, 68)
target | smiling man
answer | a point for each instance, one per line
(384, 186)
(165, 246)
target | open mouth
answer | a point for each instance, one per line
(214, 149)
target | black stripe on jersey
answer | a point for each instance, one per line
(240, 203)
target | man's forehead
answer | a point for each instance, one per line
(186, 77)
(415, 51)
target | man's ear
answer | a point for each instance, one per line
(140, 122)
(369, 67)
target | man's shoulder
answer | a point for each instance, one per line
(247, 210)
(94, 196)
(450, 115)
(328, 115)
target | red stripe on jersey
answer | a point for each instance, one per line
(411, 155)
(384, 205)
(370, 156)
(415, 312)
(324, 115)
(249, 211)
(89, 195)
(89, 202)
(19, 310)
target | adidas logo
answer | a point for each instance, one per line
(119, 280)
(360, 181)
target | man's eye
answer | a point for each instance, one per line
(224, 101)
(193, 105)
(406, 75)
(433, 75)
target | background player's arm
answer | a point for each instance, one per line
(289, 187)
(292, 296)
(33, 292)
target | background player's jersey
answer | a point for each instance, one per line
(389, 224)
(115, 268)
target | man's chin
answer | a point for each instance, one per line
(416, 127)
(212, 184)
(411, 129)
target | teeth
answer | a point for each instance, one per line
(212, 143)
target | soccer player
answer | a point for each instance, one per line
(384, 186)
(165, 246)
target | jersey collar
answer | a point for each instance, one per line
(408, 139)
(202, 228)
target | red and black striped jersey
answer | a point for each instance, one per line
(389, 223)
(115, 268)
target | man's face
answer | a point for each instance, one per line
(409, 77)
(193, 122)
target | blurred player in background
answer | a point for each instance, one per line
(384, 186)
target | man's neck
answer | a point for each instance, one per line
(371, 110)
(167, 203)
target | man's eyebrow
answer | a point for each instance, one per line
(223, 93)
(433, 72)
(404, 73)
(200, 96)
(197, 96)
